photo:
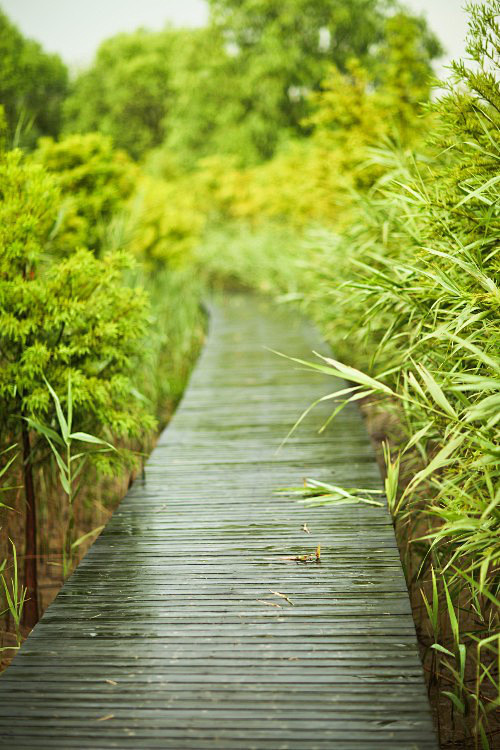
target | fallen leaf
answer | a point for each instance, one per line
(269, 604)
(306, 528)
(283, 596)
(105, 718)
(298, 558)
(111, 682)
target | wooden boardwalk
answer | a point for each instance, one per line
(166, 635)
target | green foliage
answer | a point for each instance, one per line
(283, 51)
(3, 129)
(311, 179)
(15, 595)
(95, 181)
(211, 111)
(262, 27)
(164, 223)
(28, 210)
(33, 86)
(74, 319)
(469, 127)
(126, 93)
(176, 331)
(241, 86)
(236, 255)
(403, 71)
(362, 106)
(57, 318)
(70, 464)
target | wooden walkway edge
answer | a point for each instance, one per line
(172, 632)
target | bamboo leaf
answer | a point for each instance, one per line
(474, 584)
(86, 536)
(438, 647)
(351, 373)
(478, 193)
(451, 613)
(436, 391)
(418, 436)
(63, 425)
(47, 432)
(440, 460)
(84, 437)
(62, 466)
(7, 466)
(65, 482)
(457, 702)
(70, 402)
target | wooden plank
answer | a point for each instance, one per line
(170, 633)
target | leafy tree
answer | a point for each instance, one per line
(364, 107)
(72, 318)
(283, 49)
(242, 86)
(95, 180)
(33, 85)
(209, 112)
(145, 88)
(311, 179)
(309, 33)
(347, 112)
(238, 87)
(126, 93)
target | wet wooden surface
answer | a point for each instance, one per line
(170, 633)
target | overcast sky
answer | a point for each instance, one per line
(75, 28)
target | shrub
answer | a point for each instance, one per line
(95, 181)
(72, 318)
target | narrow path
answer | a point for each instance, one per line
(170, 633)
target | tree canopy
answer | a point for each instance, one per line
(33, 85)
(126, 93)
(241, 85)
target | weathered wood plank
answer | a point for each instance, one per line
(167, 629)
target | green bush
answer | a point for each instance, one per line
(95, 180)
(58, 319)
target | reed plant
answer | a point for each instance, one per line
(70, 464)
(15, 596)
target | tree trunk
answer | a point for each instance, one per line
(30, 611)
